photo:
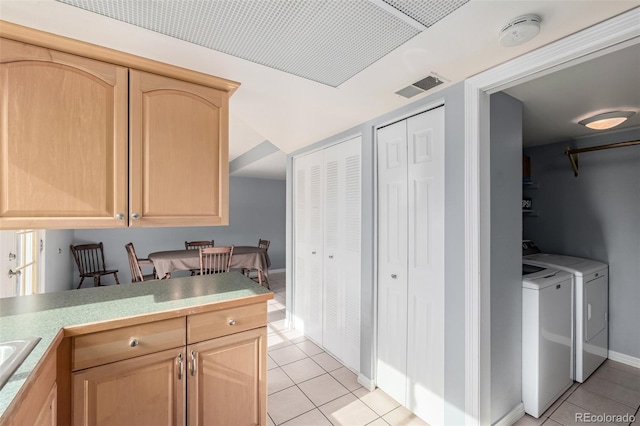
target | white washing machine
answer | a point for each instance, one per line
(546, 336)
(590, 305)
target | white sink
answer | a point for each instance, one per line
(12, 353)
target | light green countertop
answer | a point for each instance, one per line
(44, 315)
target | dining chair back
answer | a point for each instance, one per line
(264, 244)
(136, 264)
(90, 261)
(215, 260)
(196, 245)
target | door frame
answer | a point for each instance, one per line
(615, 33)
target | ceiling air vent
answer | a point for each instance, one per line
(420, 86)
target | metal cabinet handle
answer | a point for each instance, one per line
(394, 276)
(13, 273)
(135, 216)
(120, 216)
(193, 363)
(133, 342)
(313, 252)
(232, 322)
(180, 366)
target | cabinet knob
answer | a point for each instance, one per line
(133, 343)
(135, 216)
(313, 252)
(120, 216)
(330, 256)
(394, 276)
(232, 322)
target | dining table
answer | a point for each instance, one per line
(244, 257)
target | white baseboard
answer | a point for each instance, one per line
(625, 359)
(366, 382)
(512, 416)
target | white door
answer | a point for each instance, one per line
(392, 261)
(425, 330)
(19, 263)
(308, 245)
(410, 365)
(341, 272)
(8, 262)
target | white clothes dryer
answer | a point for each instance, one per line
(590, 306)
(546, 336)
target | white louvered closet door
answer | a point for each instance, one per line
(410, 365)
(341, 277)
(308, 241)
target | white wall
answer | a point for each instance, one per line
(596, 216)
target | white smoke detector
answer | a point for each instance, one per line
(520, 30)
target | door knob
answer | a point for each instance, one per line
(14, 274)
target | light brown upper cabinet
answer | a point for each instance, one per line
(95, 138)
(63, 144)
(178, 152)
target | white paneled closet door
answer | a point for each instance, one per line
(411, 263)
(391, 373)
(341, 275)
(308, 245)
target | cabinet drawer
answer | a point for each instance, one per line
(209, 325)
(127, 342)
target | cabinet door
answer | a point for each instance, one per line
(227, 380)
(63, 139)
(147, 390)
(179, 160)
(47, 415)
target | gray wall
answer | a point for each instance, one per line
(58, 261)
(597, 216)
(453, 98)
(256, 210)
(506, 254)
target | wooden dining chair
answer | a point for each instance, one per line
(136, 264)
(263, 244)
(215, 260)
(90, 261)
(196, 245)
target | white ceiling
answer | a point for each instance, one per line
(292, 112)
(555, 103)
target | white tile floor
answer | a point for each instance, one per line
(613, 389)
(306, 386)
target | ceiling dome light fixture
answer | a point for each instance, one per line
(520, 30)
(607, 120)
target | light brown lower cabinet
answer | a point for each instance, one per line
(225, 377)
(210, 371)
(48, 415)
(147, 390)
